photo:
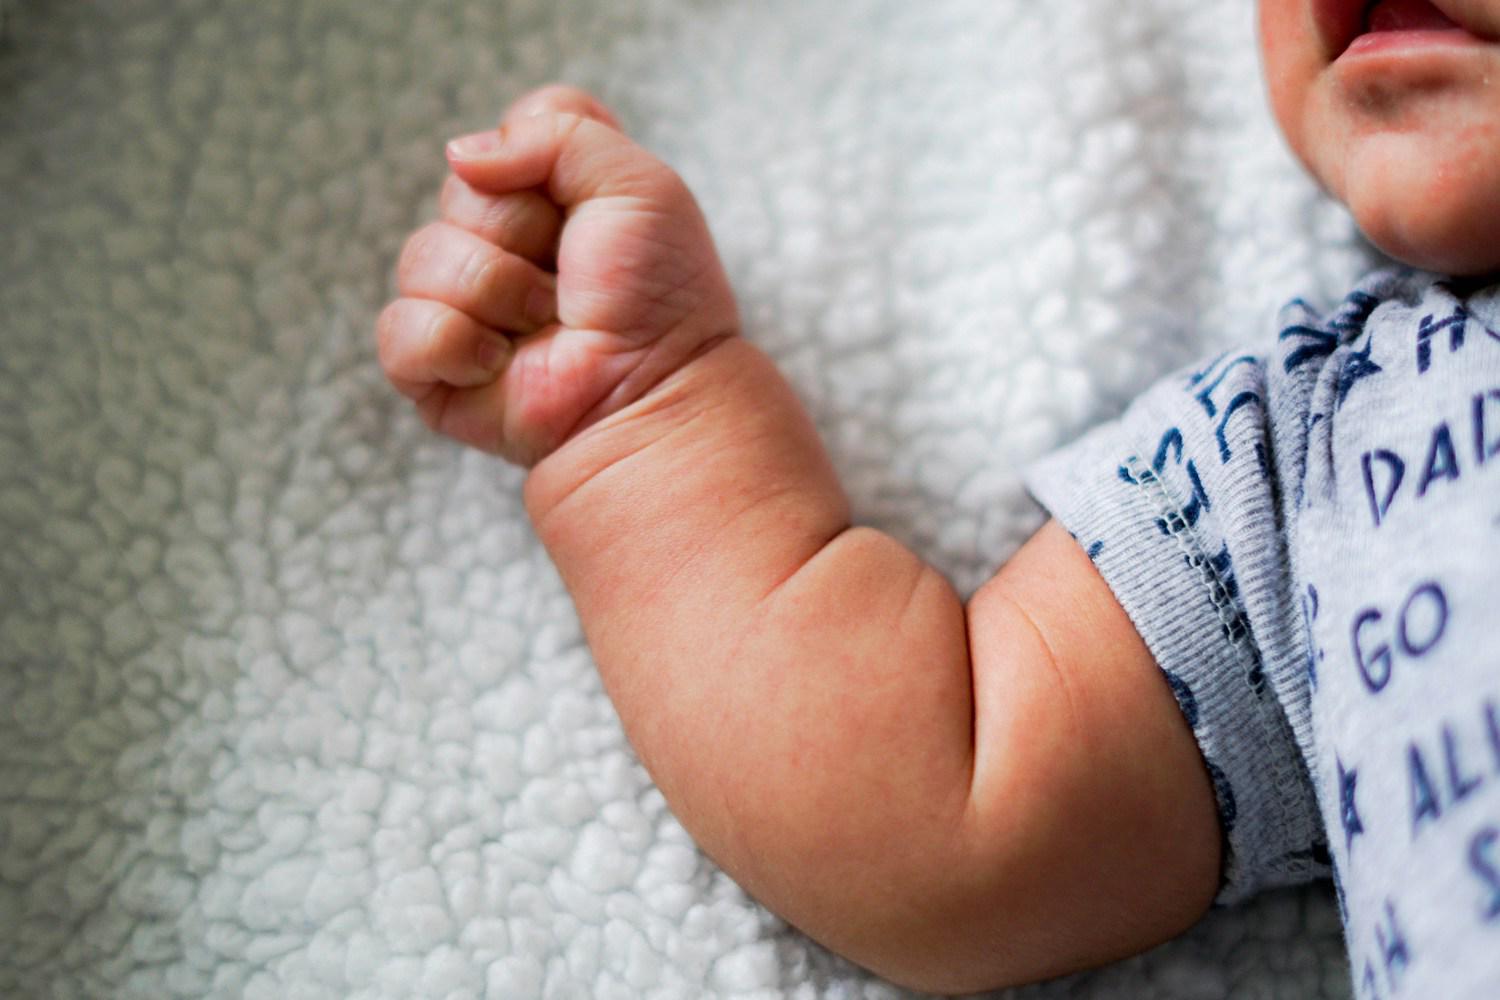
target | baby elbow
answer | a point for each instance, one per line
(926, 913)
(956, 941)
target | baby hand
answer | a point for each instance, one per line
(571, 273)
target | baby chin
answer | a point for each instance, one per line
(1409, 118)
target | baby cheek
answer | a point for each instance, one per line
(1291, 59)
(1279, 24)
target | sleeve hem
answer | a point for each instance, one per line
(1165, 569)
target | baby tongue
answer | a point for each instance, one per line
(1407, 15)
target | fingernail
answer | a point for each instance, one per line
(474, 147)
(493, 353)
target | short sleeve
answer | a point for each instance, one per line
(1307, 546)
(1176, 505)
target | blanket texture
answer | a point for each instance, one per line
(293, 704)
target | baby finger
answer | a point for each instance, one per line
(499, 289)
(422, 342)
(523, 222)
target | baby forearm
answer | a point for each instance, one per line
(790, 682)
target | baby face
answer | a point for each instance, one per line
(1395, 107)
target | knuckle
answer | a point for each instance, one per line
(437, 331)
(564, 98)
(667, 185)
(451, 193)
(526, 219)
(565, 125)
(650, 178)
(563, 92)
(499, 214)
(482, 273)
(388, 335)
(537, 205)
(550, 97)
(418, 250)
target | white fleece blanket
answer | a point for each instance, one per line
(292, 704)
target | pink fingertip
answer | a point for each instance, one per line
(478, 146)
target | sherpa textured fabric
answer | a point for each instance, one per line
(292, 704)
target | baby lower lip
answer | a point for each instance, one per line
(1409, 27)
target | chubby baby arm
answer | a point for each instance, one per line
(957, 797)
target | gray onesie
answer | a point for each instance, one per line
(1308, 540)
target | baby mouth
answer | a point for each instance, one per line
(1406, 15)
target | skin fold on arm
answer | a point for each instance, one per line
(958, 796)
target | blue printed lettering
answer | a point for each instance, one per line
(1393, 947)
(1341, 898)
(1198, 377)
(1432, 597)
(1357, 366)
(1246, 398)
(1466, 767)
(1442, 460)
(1460, 786)
(1348, 807)
(1200, 495)
(1314, 654)
(1171, 442)
(1492, 727)
(1420, 627)
(1354, 312)
(1381, 500)
(1384, 469)
(1316, 344)
(1376, 670)
(1428, 329)
(1484, 449)
(1484, 862)
(1179, 520)
(1425, 805)
(1205, 395)
(1343, 327)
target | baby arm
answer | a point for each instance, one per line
(957, 797)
